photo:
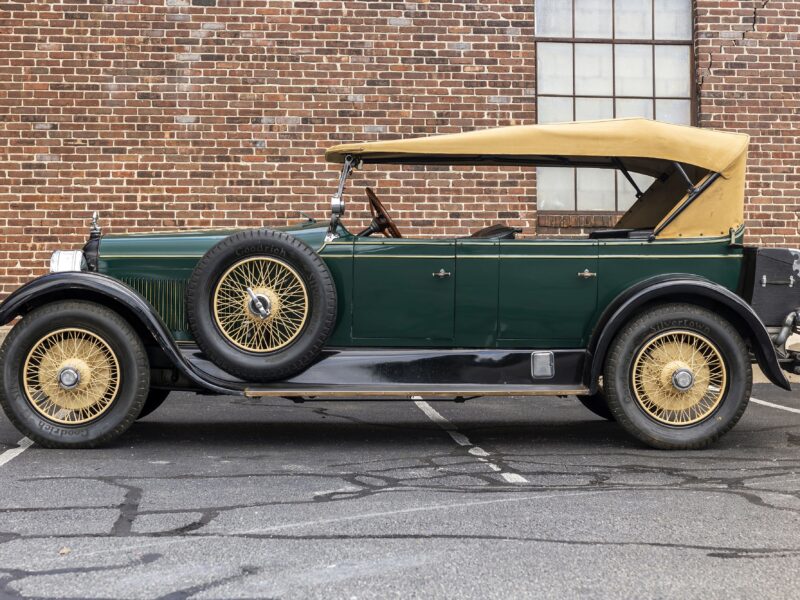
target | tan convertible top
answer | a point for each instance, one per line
(640, 145)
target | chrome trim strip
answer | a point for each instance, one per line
(439, 256)
(557, 256)
(497, 391)
(611, 256)
(108, 256)
(466, 256)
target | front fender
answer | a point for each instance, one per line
(94, 287)
(685, 289)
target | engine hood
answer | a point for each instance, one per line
(192, 243)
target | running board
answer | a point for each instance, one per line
(413, 392)
(428, 372)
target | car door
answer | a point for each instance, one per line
(403, 291)
(547, 292)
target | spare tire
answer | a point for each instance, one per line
(261, 305)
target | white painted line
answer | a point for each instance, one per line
(11, 454)
(513, 478)
(771, 405)
(388, 513)
(462, 440)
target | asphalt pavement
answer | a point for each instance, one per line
(495, 498)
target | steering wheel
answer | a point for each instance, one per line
(381, 221)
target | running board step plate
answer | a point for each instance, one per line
(424, 391)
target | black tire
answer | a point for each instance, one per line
(305, 265)
(155, 398)
(729, 399)
(130, 371)
(597, 404)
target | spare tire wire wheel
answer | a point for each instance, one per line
(260, 304)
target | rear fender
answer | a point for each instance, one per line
(691, 290)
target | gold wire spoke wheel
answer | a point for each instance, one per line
(679, 378)
(283, 297)
(93, 370)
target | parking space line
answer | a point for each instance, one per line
(771, 405)
(11, 454)
(462, 440)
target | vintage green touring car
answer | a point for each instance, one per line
(654, 323)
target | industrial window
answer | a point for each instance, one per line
(601, 59)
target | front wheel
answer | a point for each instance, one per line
(678, 377)
(73, 374)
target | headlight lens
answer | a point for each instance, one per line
(67, 260)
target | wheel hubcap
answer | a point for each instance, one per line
(266, 306)
(682, 379)
(69, 378)
(679, 378)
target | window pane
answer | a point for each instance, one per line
(672, 71)
(596, 189)
(554, 110)
(554, 18)
(634, 69)
(593, 70)
(592, 18)
(555, 188)
(673, 19)
(633, 19)
(627, 194)
(634, 107)
(591, 109)
(554, 68)
(674, 111)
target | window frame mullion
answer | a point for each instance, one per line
(613, 41)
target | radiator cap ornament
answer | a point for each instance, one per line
(94, 230)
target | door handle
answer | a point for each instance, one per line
(586, 274)
(441, 274)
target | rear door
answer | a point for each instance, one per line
(403, 291)
(547, 292)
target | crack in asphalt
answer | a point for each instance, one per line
(14, 575)
(361, 485)
(128, 509)
(190, 591)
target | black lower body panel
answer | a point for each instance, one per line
(409, 372)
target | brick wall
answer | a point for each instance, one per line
(180, 113)
(748, 80)
(183, 113)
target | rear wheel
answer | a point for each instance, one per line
(678, 377)
(73, 374)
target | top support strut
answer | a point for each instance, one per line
(337, 202)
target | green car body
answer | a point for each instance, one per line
(509, 293)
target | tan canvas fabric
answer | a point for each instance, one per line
(644, 146)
